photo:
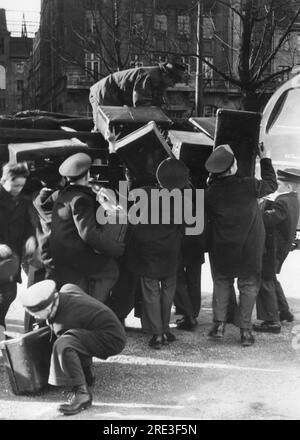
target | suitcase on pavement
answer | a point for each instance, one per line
(128, 119)
(193, 149)
(142, 151)
(27, 360)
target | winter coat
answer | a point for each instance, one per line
(235, 225)
(95, 326)
(153, 250)
(43, 204)
(280, 218)
(15, 222)
(132, 87)
(78, 244)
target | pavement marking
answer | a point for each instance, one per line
(138, 405)
(135, 360)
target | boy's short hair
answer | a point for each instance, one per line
(12, 171)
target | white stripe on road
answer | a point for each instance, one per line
(135, 360)
(138, 405)
(37, 410)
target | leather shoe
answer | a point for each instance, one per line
(247, 339)
(217, 331)
(187, 323)
(155, 342)
(167, 338)
(267, 327)
(286, 316)
(81, 399)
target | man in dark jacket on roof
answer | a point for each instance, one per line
(142, 86)
(237, 235)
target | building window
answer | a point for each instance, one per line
(298, 43)
(91, 19)
(208, 73)
(183, 25)
(1, 46)
(137, 24)
(20, 67)
(20, 85)
(210, 110)
(285, 75)
(135, 62)
(208, 27)
(2, 104)
(2, 78)
(285, 45)
(188, 63)
(160, 23)
(92, 65)
(158, 59)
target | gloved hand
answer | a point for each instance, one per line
(5, 252)
(30, 247)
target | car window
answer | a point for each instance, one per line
(287, 111)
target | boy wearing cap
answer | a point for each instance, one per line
(9, 267)
(84, 328)
(153, 255)
(16, 227)
(81, 251)
(280, 218)
(142, 86)
(236, 234)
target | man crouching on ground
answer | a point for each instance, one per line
(84, 328)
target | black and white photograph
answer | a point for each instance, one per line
(149, 213)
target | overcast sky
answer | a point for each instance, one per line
(14, 14)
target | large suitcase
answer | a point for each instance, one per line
(125, 120)
(27, 360)
(142, 151)
(206, 125)
(239, 129)
(193, 149)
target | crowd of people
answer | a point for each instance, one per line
(84, 282)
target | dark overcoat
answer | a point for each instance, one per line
(43, 204)
(78, 244)
(131, 87)
(236, 230)
(15, 223)
(153, 249)
(280, 218)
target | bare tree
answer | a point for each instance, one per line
(105, 35)
(260, 29)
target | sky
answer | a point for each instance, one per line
(14, 14)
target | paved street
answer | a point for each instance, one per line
(194, 378)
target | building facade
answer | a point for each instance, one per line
(14, 58)
(81, 41)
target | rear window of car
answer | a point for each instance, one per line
(286, 113)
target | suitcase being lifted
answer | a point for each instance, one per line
(27, 361)
(124, 120)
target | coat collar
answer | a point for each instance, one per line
(5, 197)
(78, 188)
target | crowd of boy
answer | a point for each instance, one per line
(246, 240)
(83, 282)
